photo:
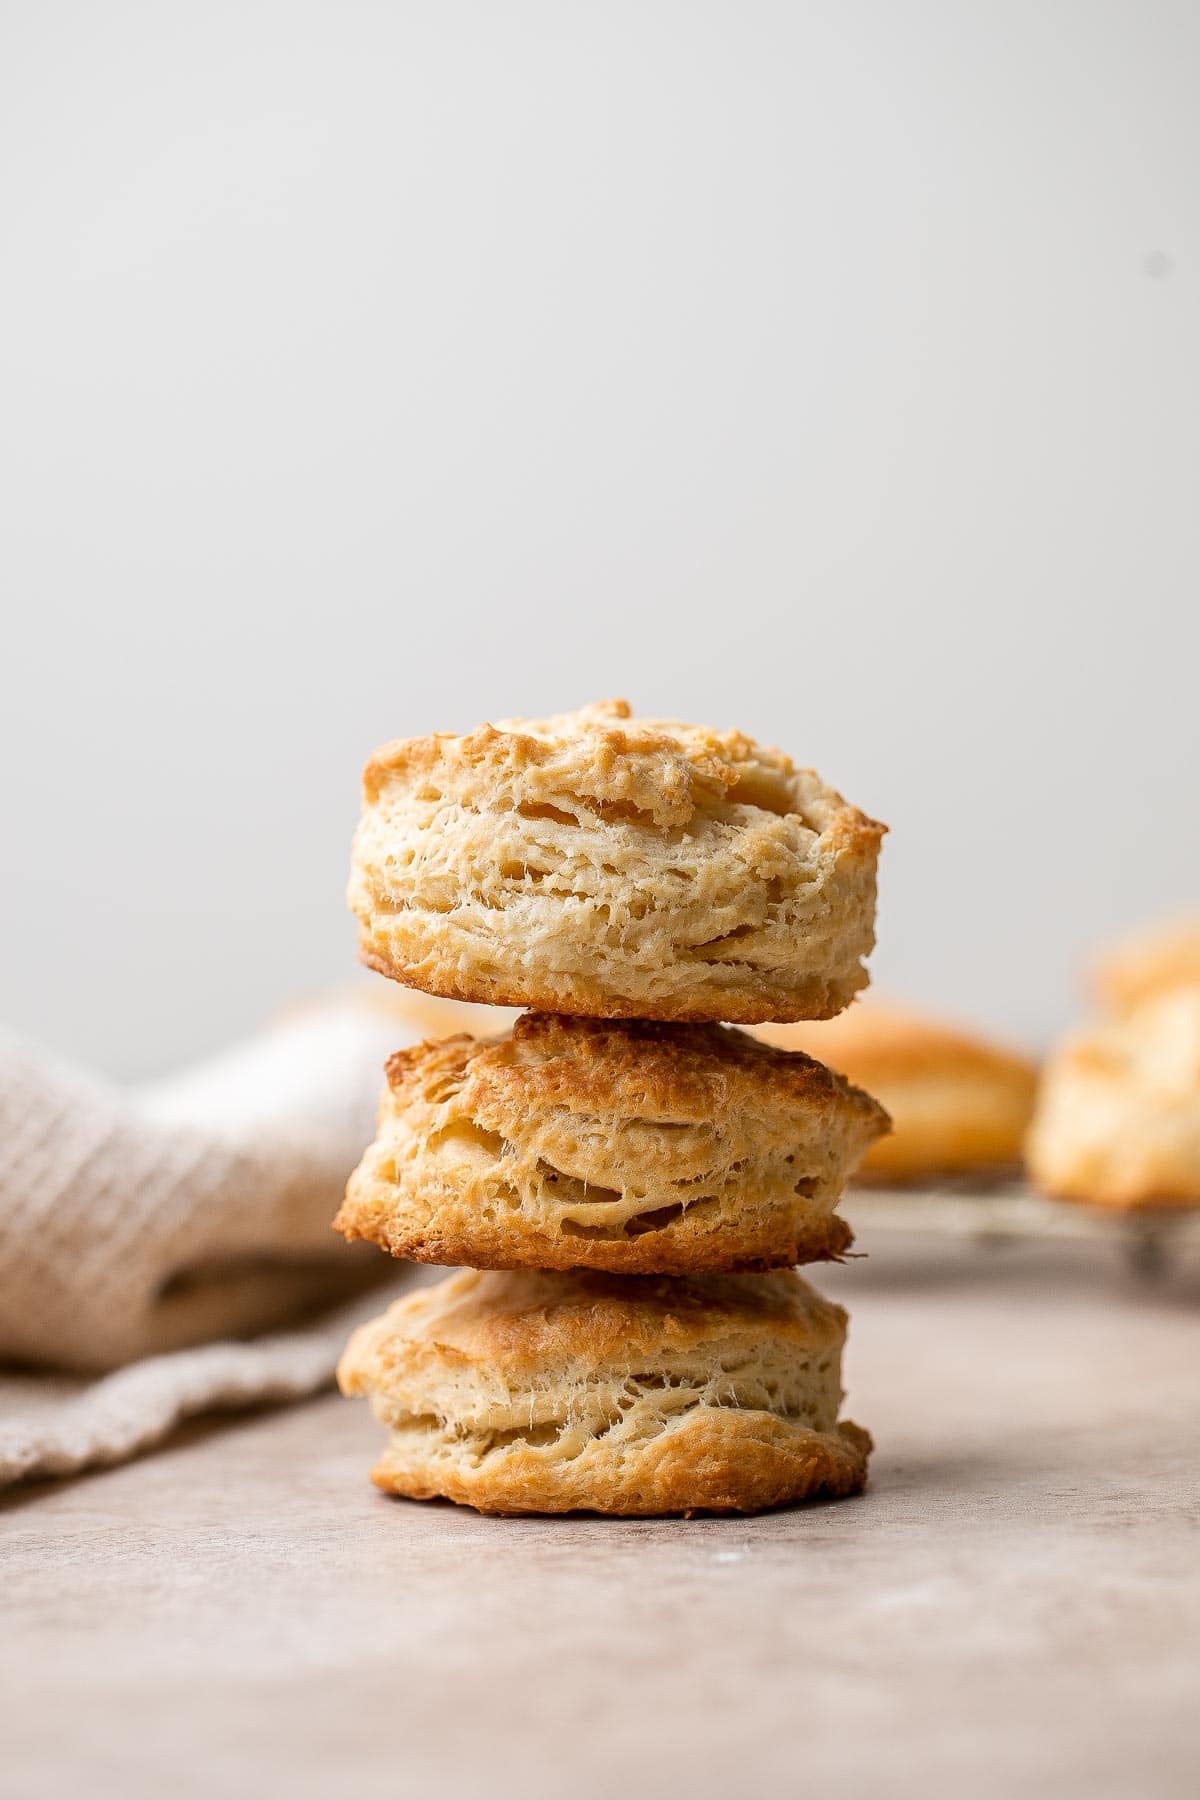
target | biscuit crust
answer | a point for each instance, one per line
(1118, 1115)
(597, 864)
(957, 1103)
(631, 1146)
(526, 1392)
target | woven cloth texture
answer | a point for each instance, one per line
(151, 1229)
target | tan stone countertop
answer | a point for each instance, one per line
(1013, 1608)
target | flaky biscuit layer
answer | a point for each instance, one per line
(957, 1103)
(597, 864)
(1118, 1113)
(631, 1146)
(531, 1392)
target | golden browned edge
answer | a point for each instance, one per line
(526, 1321)
(603, 1066)
(613, 738)
(657, 1253)
(727, 1462)
(508, 744)
(636, 1065)
(823, 1000)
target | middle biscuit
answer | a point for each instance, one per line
(632, 1146)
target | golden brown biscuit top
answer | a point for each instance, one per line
(876, 1043)
(660, 772)
(1149, 963)
(527, 1321)
(660, 1072)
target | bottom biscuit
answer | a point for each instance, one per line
(527, 1392)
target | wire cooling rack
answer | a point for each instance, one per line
(1152, 1240)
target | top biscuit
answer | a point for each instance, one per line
(621, 868)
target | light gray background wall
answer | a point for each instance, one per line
(830, 370)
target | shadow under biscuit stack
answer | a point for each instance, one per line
(628, 1181)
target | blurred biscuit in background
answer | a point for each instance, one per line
(1146, 964)
(958, 1103)
(420, 1016)
(1118, 1115)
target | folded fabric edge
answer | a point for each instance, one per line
(135, 1410)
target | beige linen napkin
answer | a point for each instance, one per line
(136, 1227)
(60, 1426)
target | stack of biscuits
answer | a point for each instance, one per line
(628, 1180)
